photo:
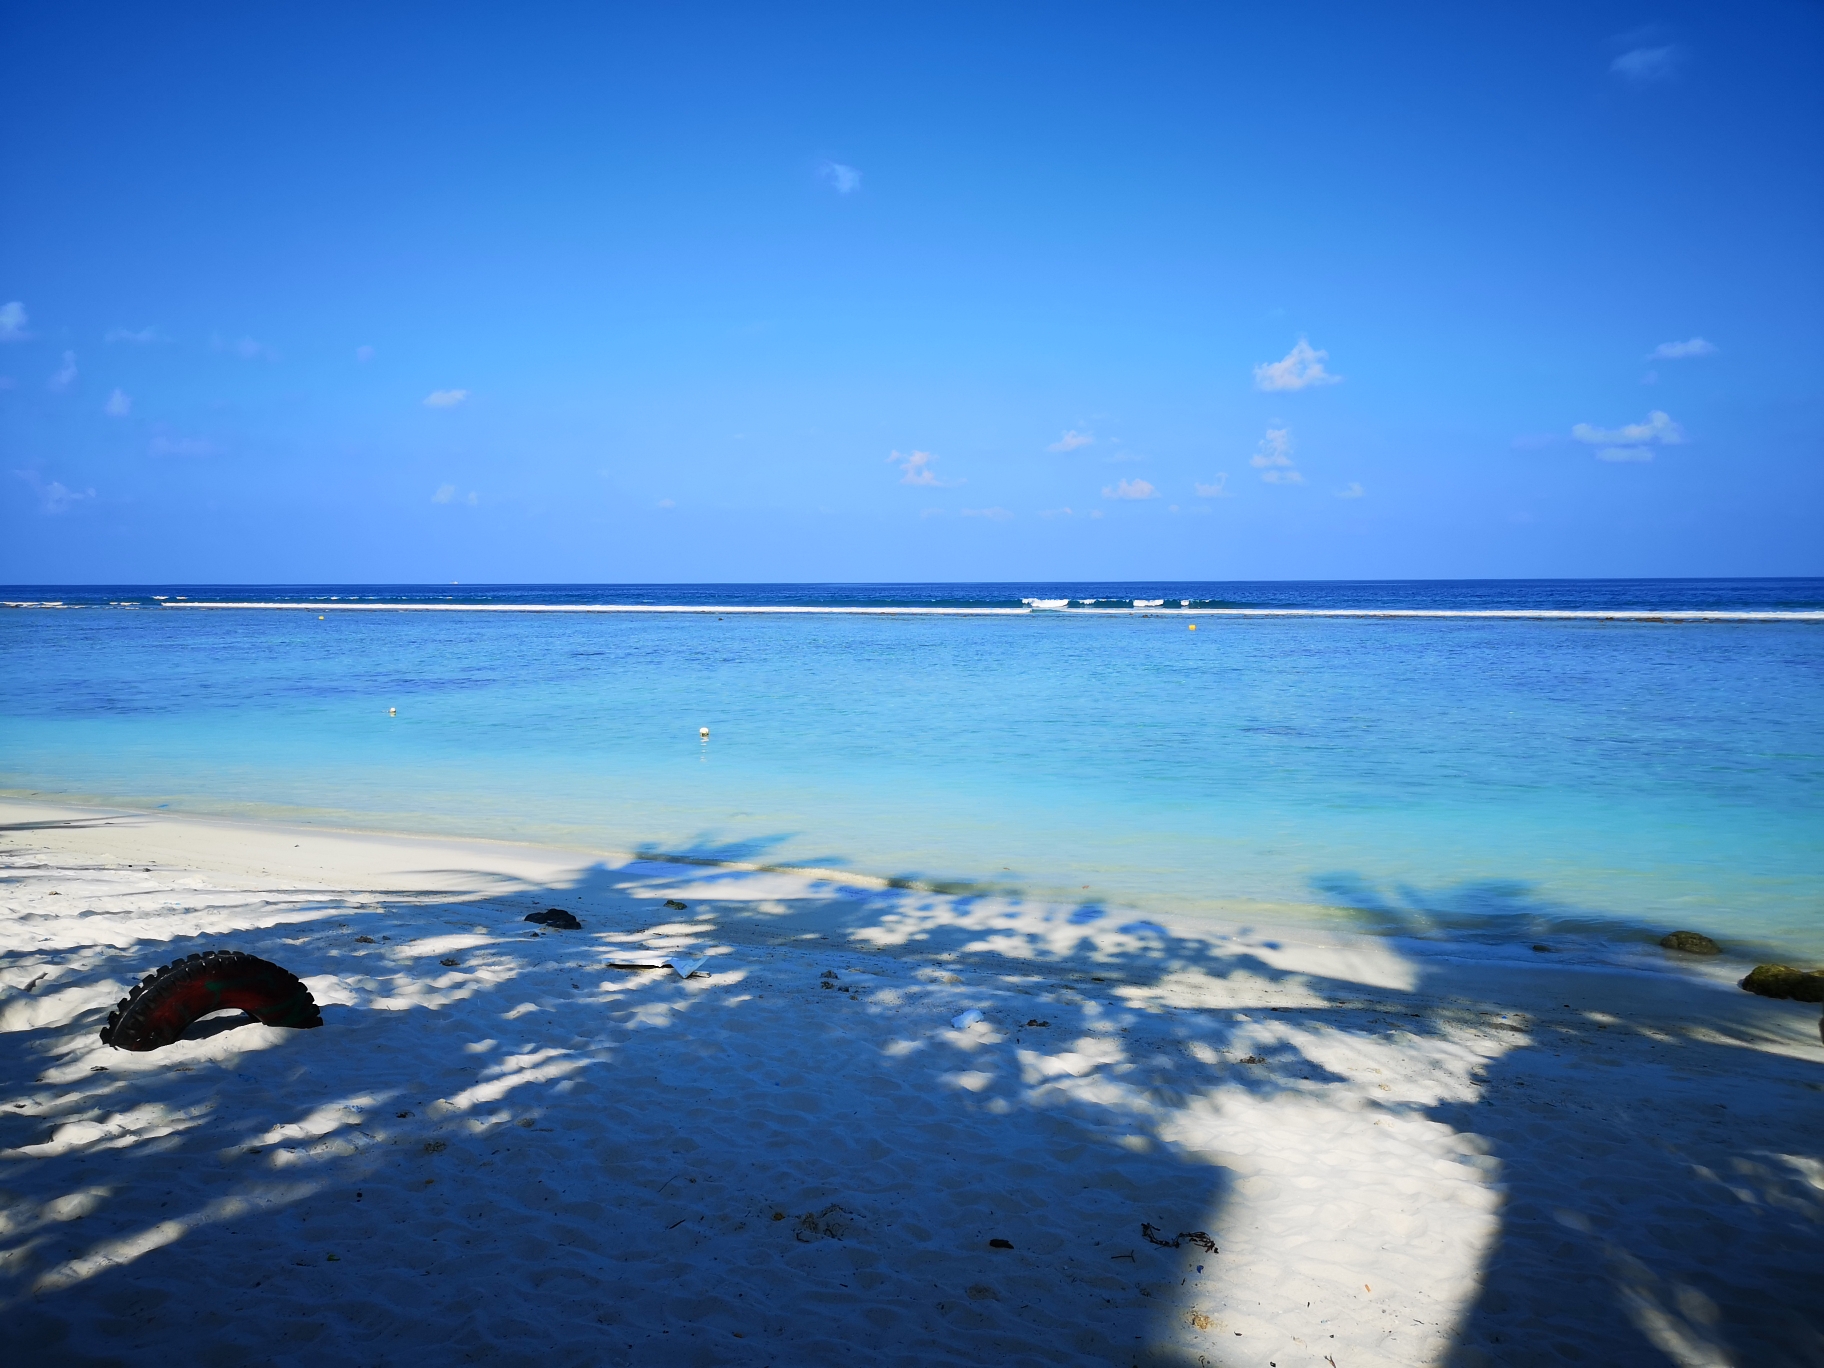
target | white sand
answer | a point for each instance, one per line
(526, 1157)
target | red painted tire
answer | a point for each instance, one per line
(167, 1000)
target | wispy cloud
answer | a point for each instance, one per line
(668, 503)
(14, 325)
(845, 180)
(246, 348)
(1647, 65)
(1273, 458)
(183, 446)
(138, 337)
(1352, 490)
(1056, 513)
(118, 405)
(54, 496)
(65, 375)
(992, 514)
(1130, 489)
(445, 398)
(1632, 442)
(1682, 351)
(364, 354)
(1298, 369)
(1219, 489)
(1071, 440)
(916, 470)
(444, 494)
(1655, 427)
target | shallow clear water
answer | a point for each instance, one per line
(1490, 778)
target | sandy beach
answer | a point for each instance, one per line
(1161, 1143)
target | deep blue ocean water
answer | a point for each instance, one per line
(1489, 779)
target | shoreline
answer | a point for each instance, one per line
(1401, 1158)
(1630, 946)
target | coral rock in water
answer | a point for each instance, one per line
(1781, 981)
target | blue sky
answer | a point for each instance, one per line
(700, 293)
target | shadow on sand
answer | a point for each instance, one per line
(523, 1158)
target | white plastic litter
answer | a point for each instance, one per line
(684, 968)
(964, 1020)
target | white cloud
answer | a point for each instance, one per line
(65, 375)
(1633, 442)
(1218, 490)
(364, 354)
(1095, 512)
(992, 514)
(118, 405)
(1056, 513)
(1130, 489)
(13, 322)
(444, 494)
(1275, 449)
(917, 470)
(445, 398)
(846, 180)
(139, 337)
(1644, 65)
(1352, 490)
(54, 497)
(473, 499)
(1682, 351)
(182, 446)
(1300, 367)
(1071, 440)
(1656, 427)
(1282, 477)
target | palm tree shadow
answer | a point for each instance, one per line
(500, 1122)
(1615, 1246)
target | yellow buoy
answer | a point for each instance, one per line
(319, 617)
(1193, 626)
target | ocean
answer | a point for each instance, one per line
(1496, 780)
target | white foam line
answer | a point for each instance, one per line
(1581, 614)
(601, 608)
(1536, 614)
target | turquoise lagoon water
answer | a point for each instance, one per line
(1487, 779)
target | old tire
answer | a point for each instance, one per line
(166, 1001)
